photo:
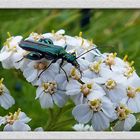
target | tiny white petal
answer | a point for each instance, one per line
(23, 117)
(130, 121)
(20, 126)
(39, 91)
(59, 98)
(82, 113)
(4, 55)
(46, 100)
(8, 127)
(100, 121)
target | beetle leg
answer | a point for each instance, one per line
(65, 47)
(46, 68)
(63, 69)
(65, 73)
(61, 65)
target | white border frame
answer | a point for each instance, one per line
(69, 4)
(98, 4)
(70, 135)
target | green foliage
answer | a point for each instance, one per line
(111, 30)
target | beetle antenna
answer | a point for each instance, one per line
(86, 52)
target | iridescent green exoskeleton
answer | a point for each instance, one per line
(45, 48)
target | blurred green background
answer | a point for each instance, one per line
(111, 30)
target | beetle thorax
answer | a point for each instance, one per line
(69, 57)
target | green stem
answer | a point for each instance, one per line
(50, 121)
(63, 123)
(54, 118)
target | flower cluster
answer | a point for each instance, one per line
(106, 93)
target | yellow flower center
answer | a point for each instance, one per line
(86, 88)
(129, 67)
(11, 118)
(110, 84)
(110, 60)
(96, 105)
(41, 65)
(74, 73)
(122, 112)
(1, 86)
(95, 67)
(131, 92)
(50, 87)
(129, 72)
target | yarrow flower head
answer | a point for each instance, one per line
(103, 87)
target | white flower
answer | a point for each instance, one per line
(52, 91)
(6, 100)
(126, 119)
(132, 99)
(113, 84)
(95, 69)
(11, 52)
(81, 92)
(99, 111)
(15, 122)
(34, 71)
(113, 63)
(82, 127)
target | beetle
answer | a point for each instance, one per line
(44, 48)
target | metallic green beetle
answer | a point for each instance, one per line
(45, 48)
